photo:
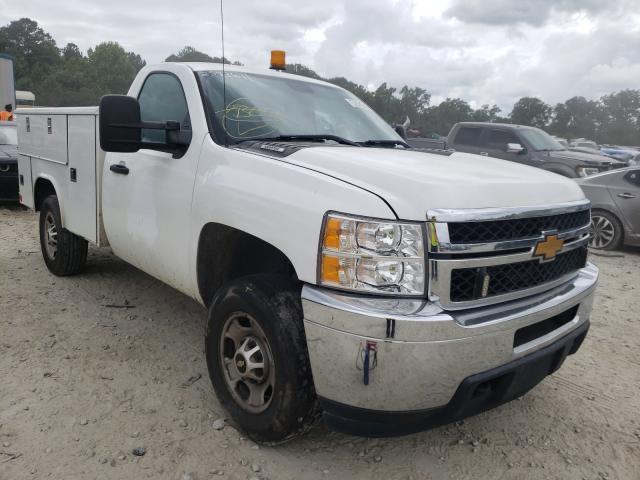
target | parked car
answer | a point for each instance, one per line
(525, 145)
(8, 161)
(562, 141)
(584, 143)
(615, 203)
(629, 155)
(396, 289)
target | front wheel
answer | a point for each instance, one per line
(64, 253)
(257, 357)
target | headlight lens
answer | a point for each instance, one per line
(372, 256)
(586, 171)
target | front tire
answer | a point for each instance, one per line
(606, 231)
(257, 357)
(64, 253)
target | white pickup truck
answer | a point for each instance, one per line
(390, 289)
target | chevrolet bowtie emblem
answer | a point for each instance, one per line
(547, 248)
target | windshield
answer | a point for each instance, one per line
(262, 106)
(540, 140)
(8, 135)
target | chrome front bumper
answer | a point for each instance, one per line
(406, 355)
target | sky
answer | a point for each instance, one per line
(484, 51)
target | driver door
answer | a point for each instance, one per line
(147, 194)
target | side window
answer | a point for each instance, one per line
(161, 100)
(633, 177)
(499, 138)
(468, 136)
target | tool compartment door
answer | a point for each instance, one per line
(43, 136)
(81, 210)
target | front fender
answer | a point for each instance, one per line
(274, 200)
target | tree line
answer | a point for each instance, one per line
(68, 77)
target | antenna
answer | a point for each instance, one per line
(224, 82)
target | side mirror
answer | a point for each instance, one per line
(119, 124)
(121, 128)
(514, 148)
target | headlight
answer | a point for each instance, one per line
(586, 171)
(372, 256)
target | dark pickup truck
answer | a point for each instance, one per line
(522, 144)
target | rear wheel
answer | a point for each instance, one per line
(257, 357)
(64, 253)
(606, 231)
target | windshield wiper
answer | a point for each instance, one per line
(313, 138)
(391, 143)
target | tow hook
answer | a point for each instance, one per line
(367, 359)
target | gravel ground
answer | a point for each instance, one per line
(83, 384)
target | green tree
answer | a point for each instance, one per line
(190, 54)
(440, 118)
(35, 52)
(486, 113)
(413, 103)
(302, 70)
(113, 67)
(621, 117)
(531, 111)
(577, 117)
(72, 83)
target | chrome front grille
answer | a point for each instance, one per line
(467, 283)
(507, 230)
(484, 256)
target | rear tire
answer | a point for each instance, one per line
(257, 357)
(64, 253)
(606, 231)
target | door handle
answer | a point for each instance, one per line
(626, 195)
(484, 154)
(120, 168)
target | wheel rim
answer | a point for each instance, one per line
(247, 363)
(602, 232)
(50, 236)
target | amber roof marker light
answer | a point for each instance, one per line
(278, 60)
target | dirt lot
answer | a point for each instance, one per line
(82, 384)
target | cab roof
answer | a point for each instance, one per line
(210, 66)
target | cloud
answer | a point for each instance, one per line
(489, 51)
(513, 12)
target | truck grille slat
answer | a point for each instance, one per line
(514, 229)
(512, 277)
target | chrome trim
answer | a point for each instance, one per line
(503, 213)
(440, 276)
(430, 351)
(528, 242)
(439, 244)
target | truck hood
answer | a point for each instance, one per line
(584, 158)
(413, 182)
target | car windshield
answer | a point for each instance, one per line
(8, 135)
(540, 140)
(264, 106)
